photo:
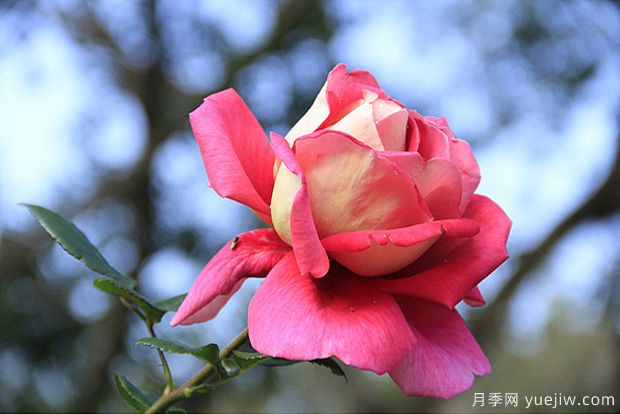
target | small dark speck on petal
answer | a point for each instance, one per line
(234, 243)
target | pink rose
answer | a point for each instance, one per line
(388, 195)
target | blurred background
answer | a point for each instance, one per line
(93, 124)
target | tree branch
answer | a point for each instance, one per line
(605, 201)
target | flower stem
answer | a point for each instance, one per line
(185, 390)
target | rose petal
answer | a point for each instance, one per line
(462, 156)
(344, 89)
(440, 185)
(292, 215)
(446, 356)
(235, 150)
(301, 318)
(474, 298)
(409, 162)
(453, 266)
(352, 188)
(431, 141)
(359, 123)
(361, 240)
(392, 128)
(413, 133)
(438, 180)
(252, 254)
(318, 112)
(374, 253)
(341, 93)
(210, 310)
(384, 108)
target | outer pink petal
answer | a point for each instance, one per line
(453, 266)
(444, 360)
(375, 253)
(235, 150)
(301, 318)
(352, 187)
(474, 298)
(309, 252)
(252, 254)
(211, 310)
(462, 156)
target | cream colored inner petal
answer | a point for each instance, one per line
(351, 189)
(318, 112)
(360, 124)
(382, 108)
(285, 188)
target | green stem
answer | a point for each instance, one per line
(162, 357)
(164, 362)
(185, 390)
(132, 308)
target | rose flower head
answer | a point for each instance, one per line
(376, 234)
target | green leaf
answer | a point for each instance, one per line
(164, 345)
(250, 356)
(230, 367)
(152, 312)
(246, 351)
(131, 393)
(71, 238)
(330, 363)
(247, 360)
(171, 304)
(333, 366)
(209, 353)
(279, 362)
